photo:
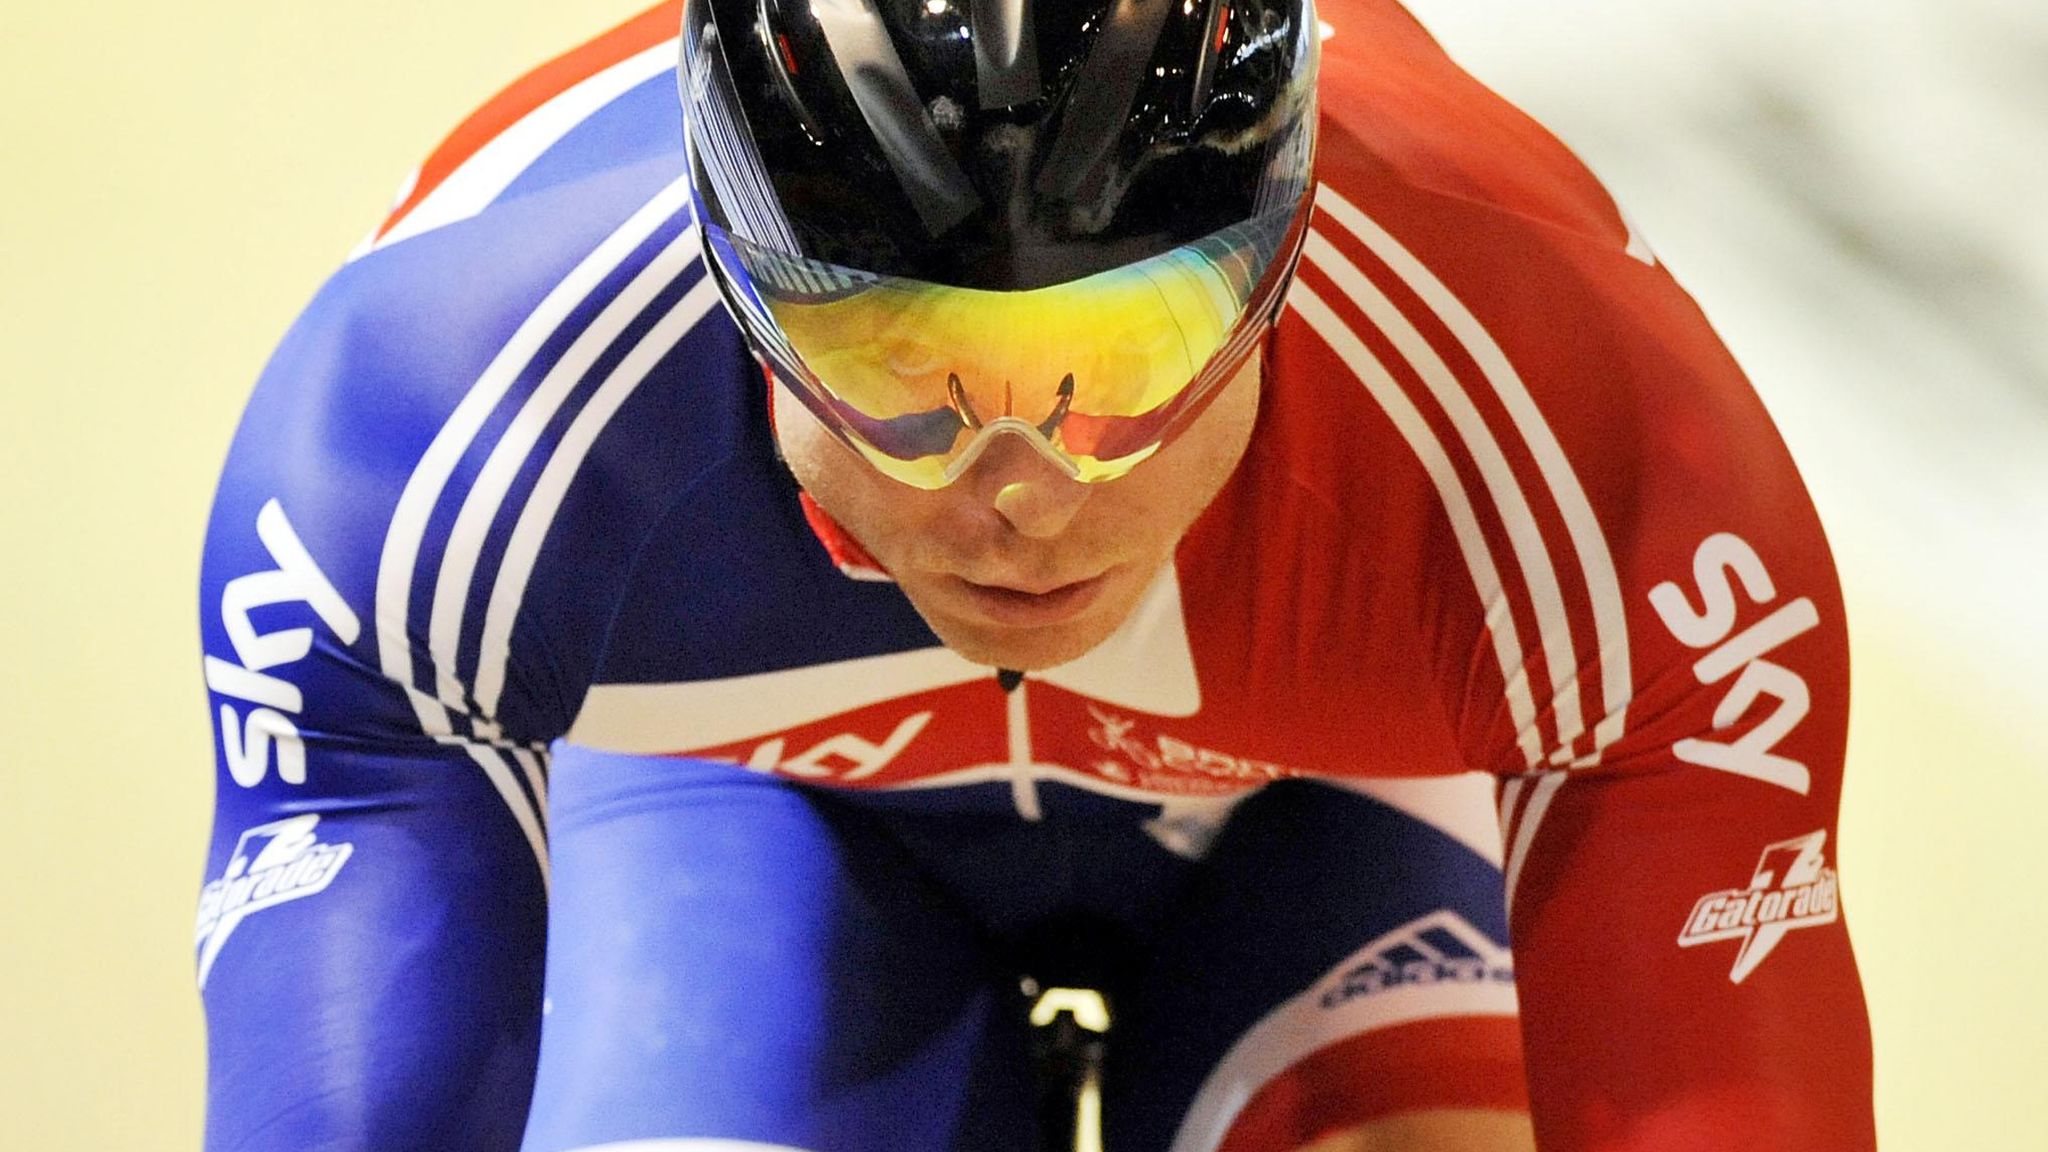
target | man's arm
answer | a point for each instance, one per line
(369, 937)
(369, 942)
(1685, 970)
(1636, 626)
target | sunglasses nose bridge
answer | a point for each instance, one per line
(1010, 426)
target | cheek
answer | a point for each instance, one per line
(1171, 491)
(896, 524)
(1144, 516)
(817, 462)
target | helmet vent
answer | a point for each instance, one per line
(895, 114)
(1005, 52)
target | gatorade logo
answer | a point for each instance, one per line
(1791, 888)
(272, 864)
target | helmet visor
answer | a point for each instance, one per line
(1098, 372)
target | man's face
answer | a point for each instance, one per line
(1014, 565)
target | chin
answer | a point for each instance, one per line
(1032, 650)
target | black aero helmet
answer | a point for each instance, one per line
(937, 220)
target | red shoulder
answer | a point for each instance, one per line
(1395, 102)
(1514, 408)
(529, 93)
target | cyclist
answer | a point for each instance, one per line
(1149, 456)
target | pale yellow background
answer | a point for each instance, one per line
(176, 179)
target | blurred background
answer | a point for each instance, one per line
(1852, 190)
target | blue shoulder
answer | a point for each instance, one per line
(449, 462)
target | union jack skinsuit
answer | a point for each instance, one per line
(578, 786)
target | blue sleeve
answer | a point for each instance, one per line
(417, 550)
(370, 934)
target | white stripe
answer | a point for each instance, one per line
(1023, 771)
(1507, 647)
(1524, 536)
(500, 775)
(1146, 665)
(1459, 806)
(1510, 793)
(1525, 835)
(1639, 247)
(492, 168)
(369, 240)
(487, 494)
(536, 779)
(657, 718)
(1596, 562)
(1073, 778)
(402, 540)
(508, 590)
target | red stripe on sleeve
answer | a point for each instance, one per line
(533, 90)
(1459, 1062)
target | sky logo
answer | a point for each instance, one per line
(247, 741)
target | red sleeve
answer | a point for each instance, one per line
(1684, 967)
(1667, 634)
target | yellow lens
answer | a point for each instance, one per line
(908, 370)
(1131, 338)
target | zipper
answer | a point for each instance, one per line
(1023, 772)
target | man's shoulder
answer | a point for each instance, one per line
(554, 208)
(1502, 401)
(477, 421)
(495, 335)
(606, 103)
(1400, 112)
(1489, 292)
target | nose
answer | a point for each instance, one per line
(1027, 491)
(1038, 509)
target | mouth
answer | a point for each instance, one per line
(1031, 607)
